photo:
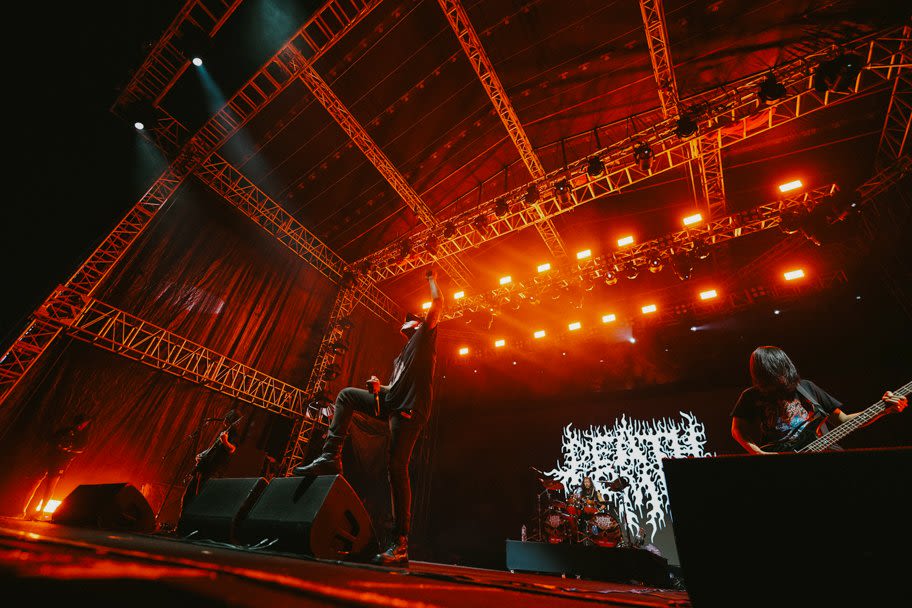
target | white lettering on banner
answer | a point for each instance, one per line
(632, 449)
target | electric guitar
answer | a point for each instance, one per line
(809, 439)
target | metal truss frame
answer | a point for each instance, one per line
(711, 233)
(325, 28)
(895, 134)
(471, 44)
(166, 61)
(306, 426)
(706, 171)
(227, 181)
(359, 136)
(727, 117)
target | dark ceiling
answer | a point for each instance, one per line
(568, 67)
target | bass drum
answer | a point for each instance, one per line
(606, 531)
(555, 526)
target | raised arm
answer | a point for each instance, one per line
(433, 315)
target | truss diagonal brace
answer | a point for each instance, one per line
(471, 44)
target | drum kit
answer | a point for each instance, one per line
(575, 519)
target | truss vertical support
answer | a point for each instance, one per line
(305, 427)
(657, 39)
(894, 138)
(708, 163)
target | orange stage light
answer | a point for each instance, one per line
(426, 305)
(789, 186)
(458, 294)
(585, 253)
(539, 334)
(791, 275)
(610, 318)
(464, 351)
(544, 267)
(708, 294)
(506, 279)
(499, 343)
(624, 241)
(574, 326)
(696, 218)
(649, 308)
(51, 506)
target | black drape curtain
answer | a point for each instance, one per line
(205, 272)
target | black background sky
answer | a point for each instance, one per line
(70, 169)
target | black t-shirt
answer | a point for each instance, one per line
(778, 422)
(413, 373)
(65, 444)
(215, 459)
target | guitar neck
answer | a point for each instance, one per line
(866, 416)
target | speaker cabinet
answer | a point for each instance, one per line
(108, 506)
(221, 503)
(822, 529)
(321, 516)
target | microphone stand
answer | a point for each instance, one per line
(191, 445)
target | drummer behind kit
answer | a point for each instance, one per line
(575, 519)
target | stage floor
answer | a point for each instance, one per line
(44, 562)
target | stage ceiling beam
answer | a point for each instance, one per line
(596, 268)
(359, 136)
(471, 44)
(730, 116)
(894, 138)
(326, 27)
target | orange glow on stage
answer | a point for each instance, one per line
(649, 308)
(539, 334)
(585, 253)
(709, 294)
(500, 343)
(624, 241)
(574, 326)
(458, 294)
(690, 220)
(789, 186)
(464, 351)
(791, 275)
(426, 305)
(610, 318)
(51, 506)
(544, 267)
(506, 279)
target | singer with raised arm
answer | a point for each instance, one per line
(405, 403)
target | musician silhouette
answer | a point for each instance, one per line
(212, 461)
(63, 446)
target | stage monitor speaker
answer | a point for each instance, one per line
(823, 529)
(321, 516)
(108, 506)
(221, 503)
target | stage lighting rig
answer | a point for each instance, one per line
(686, 126)
(339, 347)
(532, 195)
(770, 90)
(631, 270)
(194, 44)
(701, 250)
(790, 222)
(432, 245)
(655, 264)
(501, 207)
(480, 223)
(682, 266)
(449, 230)
(610, 277)
(642, 154)
(839, 73)
(344, 323)
(332, 371)
(595, 167)
(405, 250)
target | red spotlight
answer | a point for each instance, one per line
(649, 308)
(574, 326)
(464, 351)
(585, 253)
(499, 343)
(609, 318)
(545, 267)
(458, 295)
(791, 275)
(505, 280)
(426, 305)
(708, 294)
(539, 334)
(624, 241)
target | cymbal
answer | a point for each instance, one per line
(552, 485)
(618, 484)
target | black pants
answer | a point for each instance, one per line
(403, 435)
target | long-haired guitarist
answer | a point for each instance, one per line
(782, 412)
(212, 461)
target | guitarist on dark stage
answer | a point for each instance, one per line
(213, 460)
(782, 412)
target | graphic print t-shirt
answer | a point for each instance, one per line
(777, 423)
